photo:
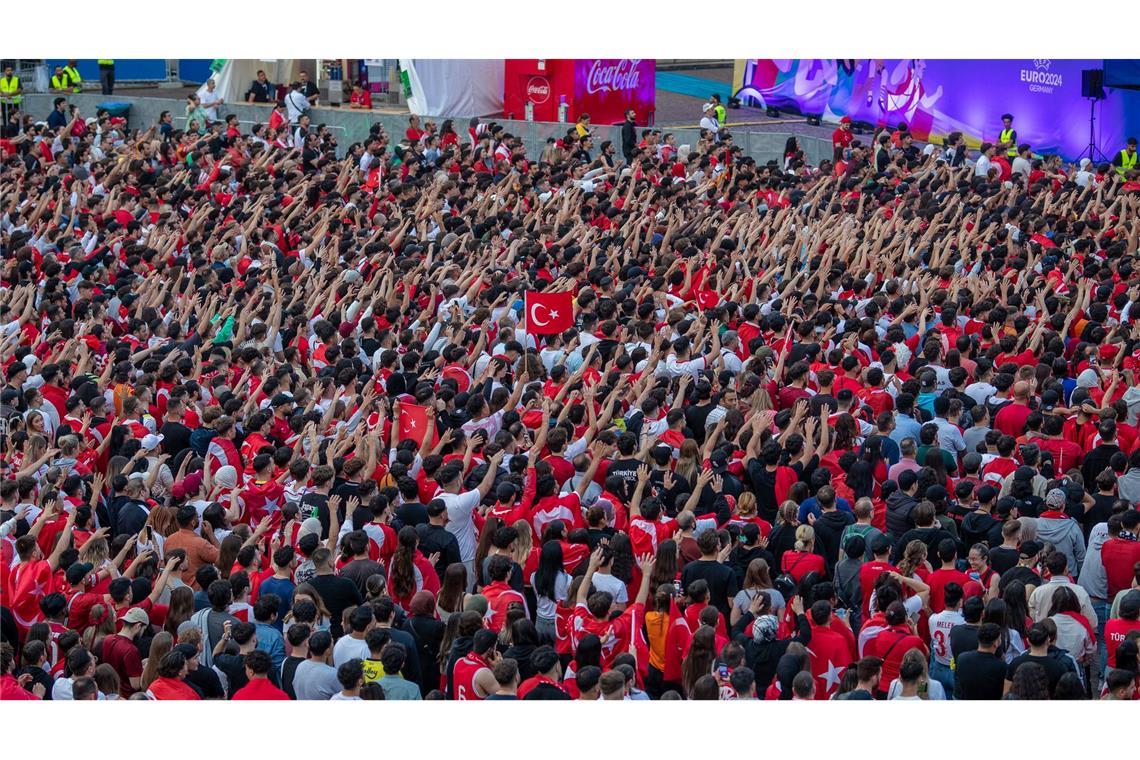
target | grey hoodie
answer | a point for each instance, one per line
(1065, 535)
(1129, 486)
(1093, 578)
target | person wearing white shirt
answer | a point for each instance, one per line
(729, 343)
(461, 507)
(296, 103)
(210, 100)
(949, 436)
(708, 121)
(982, 168)
(1021, 164)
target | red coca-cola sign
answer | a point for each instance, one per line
(538, 90)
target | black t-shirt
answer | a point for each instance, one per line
(963, 638)
(1054, 669)
(175, 437)
(436, 538)
(696, 416)
(338, 594)
(626, 469)
(1100, 512)
(39, 675)
(978, 675)
(316, 505)
(764, 486)
(1003, 559)
(1017, 573)
(205, 681)
(721, 580)
(412, 513)
(288, 669)
(545, 691)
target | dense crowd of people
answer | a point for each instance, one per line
(283, 419)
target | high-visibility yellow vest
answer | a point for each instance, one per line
(8, 88)
(1007, 136)
(1127, 162)
(59, 81)
(106, 61)
(721, 115)
(74, 79)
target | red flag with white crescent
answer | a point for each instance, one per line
(414, 423)
(549, 313)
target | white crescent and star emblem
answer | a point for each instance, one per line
(551, 315)
(833, 675)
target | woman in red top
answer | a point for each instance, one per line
(892, 643)
(802, 559)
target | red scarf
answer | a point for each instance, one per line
(1084, 621)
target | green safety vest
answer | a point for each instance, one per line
(721, 115)
(1127, 162)
(1007, 136)
(59, 81)
(106, 61)
(74, 79)
(8, 88)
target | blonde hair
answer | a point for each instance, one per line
(162, 643)
(746, 504)
(913, 556)
(688, 461)
(96, 551)
(805, 534)
(524, 543)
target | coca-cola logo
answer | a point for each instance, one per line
(607, 76)
(538, 90)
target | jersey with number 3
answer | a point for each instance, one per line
(941, 623)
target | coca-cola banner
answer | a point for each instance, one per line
(606, 87)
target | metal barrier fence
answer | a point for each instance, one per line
(354, 126)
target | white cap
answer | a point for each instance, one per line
(151, 441)
(707, 106)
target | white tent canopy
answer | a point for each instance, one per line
(454, 87)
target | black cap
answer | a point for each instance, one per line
(78, 572)
(880, 544)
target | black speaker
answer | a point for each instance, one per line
(1092, 83)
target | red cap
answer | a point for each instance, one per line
(845, 120)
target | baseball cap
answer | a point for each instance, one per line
(189, 651)
(1030, 548)
(985, 493)
(1055, 498)
(151, 441)
(135, 615)
(77, 572)
(880, 544)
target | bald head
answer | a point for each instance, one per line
(1021, 390)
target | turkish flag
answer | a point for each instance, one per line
(414, 423)
(549, 313)
(27, 584)
(829, 656)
